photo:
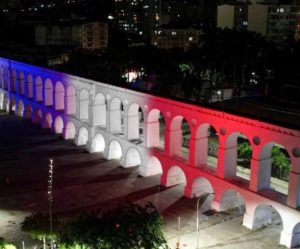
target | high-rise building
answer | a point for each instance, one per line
(88, 35)
(276, 22)
(233, 16)
(138, 17)
(191, 12)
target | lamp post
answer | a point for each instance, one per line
(203, 198)
(50, 198)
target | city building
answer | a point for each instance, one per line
(166, 38)
(138, 17)
(192, 12)
(276, 22)
(94, 35)
(90, 35)
(233, 16)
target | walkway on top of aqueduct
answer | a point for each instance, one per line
(130, 125)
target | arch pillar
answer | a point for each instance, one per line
(293, 199)
(94, 117)
(151, 134)
(173, 141)
(288, 239)
(260, 177)
(198, 150)
(114, 121)
(188, 190)
(132, 129)
(227, 158)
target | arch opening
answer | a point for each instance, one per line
(70, 131)
(83, 136)
(58, 125)
(154, 166)
(296, 236)
(98, 143)
(37, 117)
(114, 150)
(133, 158)
(232, 200)
(20, 109)
(275, 166)
(13, 80)
(238, 156)
(267, 216)
(48, 121)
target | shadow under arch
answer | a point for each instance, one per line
(232, 199)
(265, 215)
(114, 150)
(132, 158)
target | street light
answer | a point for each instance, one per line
(203, 198)
(50, 199)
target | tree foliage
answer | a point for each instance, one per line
(129, 227)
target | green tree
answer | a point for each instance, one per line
(280, 162)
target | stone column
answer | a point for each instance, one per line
(260, 177)
(227, 158)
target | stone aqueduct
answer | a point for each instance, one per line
(125, 124)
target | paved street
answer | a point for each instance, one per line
(86, 181)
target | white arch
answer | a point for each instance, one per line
(58, 125)
(133, 158)
(154, 166)
(98, 143)
(70, 131)
(83, 136)
(114, 150)
(175, 175)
